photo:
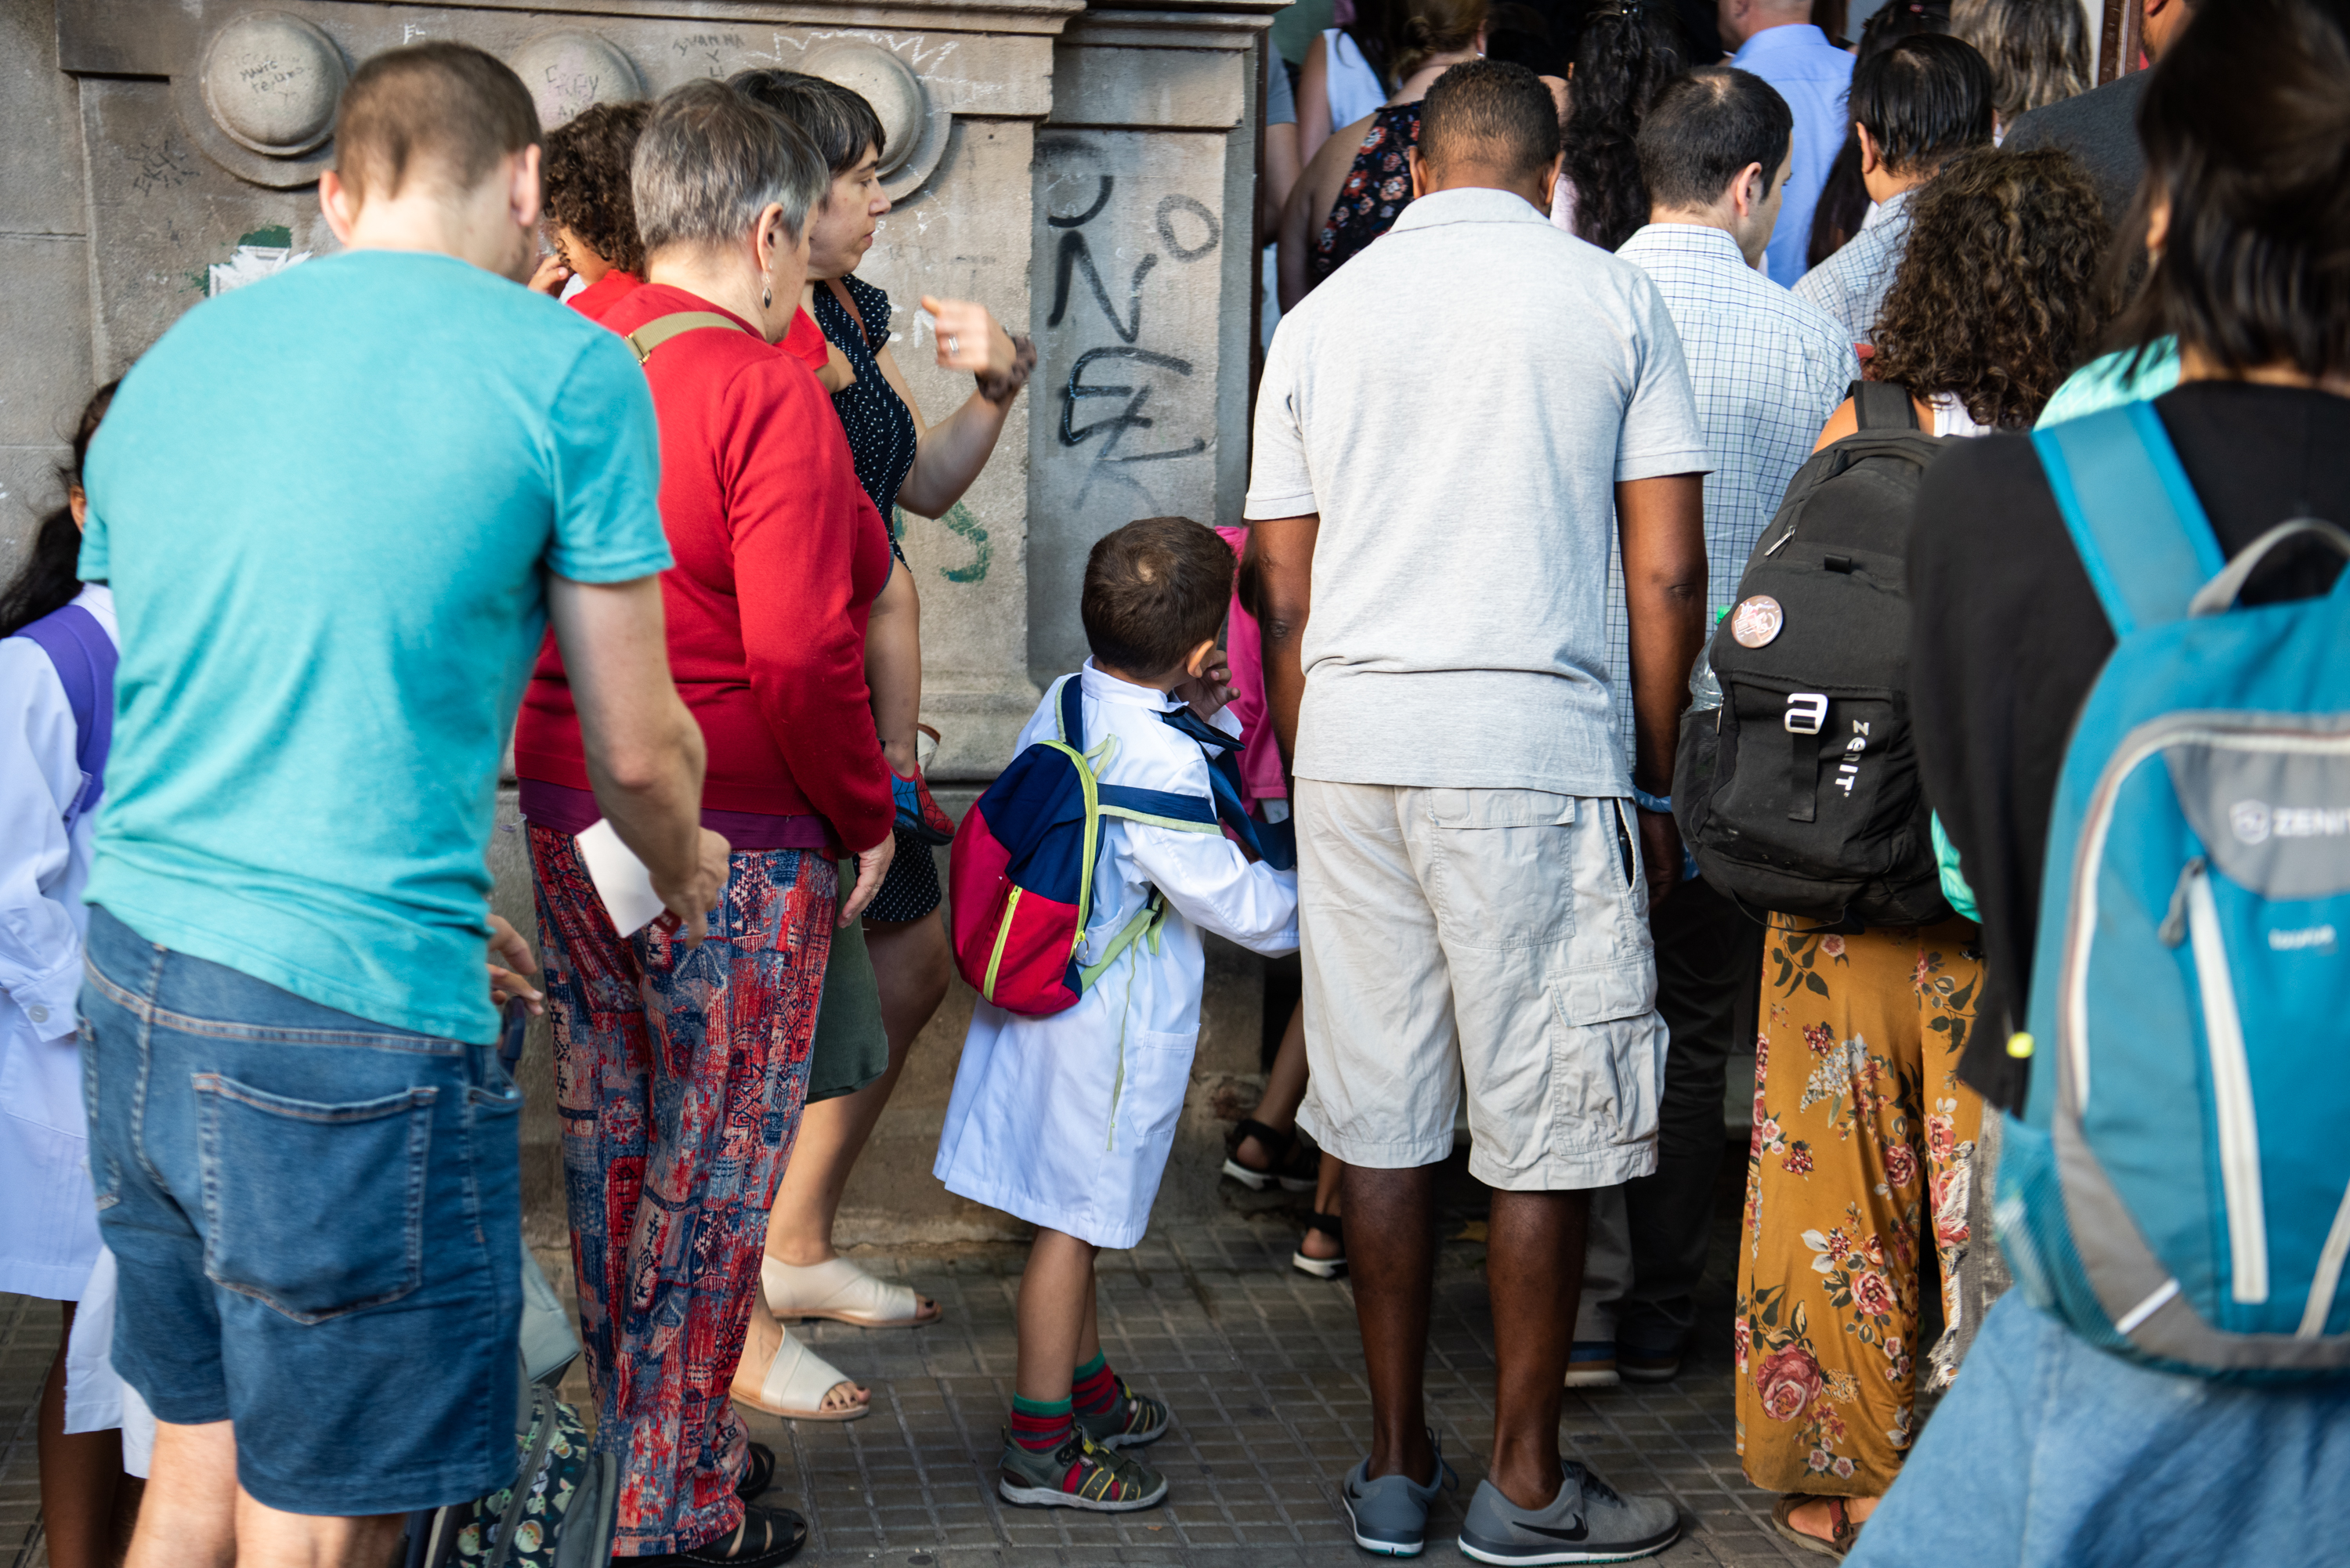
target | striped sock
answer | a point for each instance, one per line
(1041, 1426)
(1093, 1387)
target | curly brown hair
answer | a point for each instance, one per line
(1998, 296)
(584, 181)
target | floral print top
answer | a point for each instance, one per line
(1378, 190)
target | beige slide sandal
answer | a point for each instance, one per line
(798, 1380)
(842, 1292)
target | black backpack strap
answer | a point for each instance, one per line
(1882, 406)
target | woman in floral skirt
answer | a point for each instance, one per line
(1863, 1144)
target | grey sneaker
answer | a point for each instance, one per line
(1588, 1521)
(1136, 1419)
(1390, 1514)
(1080, 1473)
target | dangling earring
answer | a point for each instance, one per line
(768, 298)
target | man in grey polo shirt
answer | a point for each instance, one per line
(1450, 434)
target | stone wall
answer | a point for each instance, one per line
(1085, 171)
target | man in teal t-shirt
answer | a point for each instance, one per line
(337, 508)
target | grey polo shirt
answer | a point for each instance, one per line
(1457, 403)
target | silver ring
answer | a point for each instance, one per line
(955, 344)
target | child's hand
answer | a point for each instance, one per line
(838, 375)
(506, 980)
(550, 277)
(1207, 692)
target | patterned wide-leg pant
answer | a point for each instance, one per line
(679, 1075)
(1862, 1149)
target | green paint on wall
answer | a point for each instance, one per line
(958, 520)
(276, 234)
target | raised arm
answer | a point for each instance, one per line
(644, 751)
(948, 456)
(1662, 524)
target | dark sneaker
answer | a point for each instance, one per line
(1588, 1521)
(1646, 1366)
(1390, 1514)
(1080, 1473)
(1592, 1364)
(1134, 1421)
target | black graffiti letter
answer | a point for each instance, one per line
(1073, 254)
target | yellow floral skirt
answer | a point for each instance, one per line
(1863, 1143)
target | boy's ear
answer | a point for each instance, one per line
(1202, 656)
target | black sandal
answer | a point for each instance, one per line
(1296, 1168)
(758, 1471)
(778, 1533)
(1331, 1226)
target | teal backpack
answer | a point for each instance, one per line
(2178, 1191)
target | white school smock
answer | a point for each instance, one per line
(1065, 1121)
(49, 1224)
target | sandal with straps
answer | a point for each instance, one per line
(1839, 1520)
(1331, 1226)
(1296, 1168)
(794, 1387)
(766, 1537)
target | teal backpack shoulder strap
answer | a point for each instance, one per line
(2135, 519)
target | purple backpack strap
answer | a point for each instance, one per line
(85, 657)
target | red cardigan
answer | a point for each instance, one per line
(779, 557)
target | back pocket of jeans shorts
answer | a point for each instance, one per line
(316, 1210)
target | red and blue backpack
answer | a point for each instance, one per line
(1021, 876)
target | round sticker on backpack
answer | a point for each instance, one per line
(1756, 622)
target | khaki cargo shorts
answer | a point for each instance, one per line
(1490, 939)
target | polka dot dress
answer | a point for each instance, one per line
(880, 430)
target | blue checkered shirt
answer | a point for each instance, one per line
(1768, 370)
(1851, 285)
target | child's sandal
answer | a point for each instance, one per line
(1331, 1226)
(1296, 1168)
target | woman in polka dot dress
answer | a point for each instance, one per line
(924, 469)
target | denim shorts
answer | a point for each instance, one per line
(319, 1225)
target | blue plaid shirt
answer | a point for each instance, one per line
(1851, 285)
(1768, 370)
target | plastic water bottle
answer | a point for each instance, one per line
(1705, 691)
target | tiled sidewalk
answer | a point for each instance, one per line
(1260, 1364)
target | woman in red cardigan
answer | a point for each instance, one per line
(679, 1073)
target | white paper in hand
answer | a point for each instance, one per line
(620, 879)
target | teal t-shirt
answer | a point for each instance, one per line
(327, 503)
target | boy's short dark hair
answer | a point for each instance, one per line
(441, 111)
(1494, 112)
(584, 181)
(1705, 126)
(1154, 591)
(1926, 98)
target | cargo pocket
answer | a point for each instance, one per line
(1500, 867)
(1610, 1056)
(314, 1210)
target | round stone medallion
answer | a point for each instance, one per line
(270, 82)
(883, 80)
(569, 70)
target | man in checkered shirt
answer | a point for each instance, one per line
(1768, 369)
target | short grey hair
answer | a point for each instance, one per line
(710, 159)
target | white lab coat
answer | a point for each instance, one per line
(1065, 1121)
(49, 1224)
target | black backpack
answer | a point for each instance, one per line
(1799, 793)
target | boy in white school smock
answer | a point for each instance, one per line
(1066, 1120)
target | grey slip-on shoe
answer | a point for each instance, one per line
(1588, 1521)
(1390, 1514)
